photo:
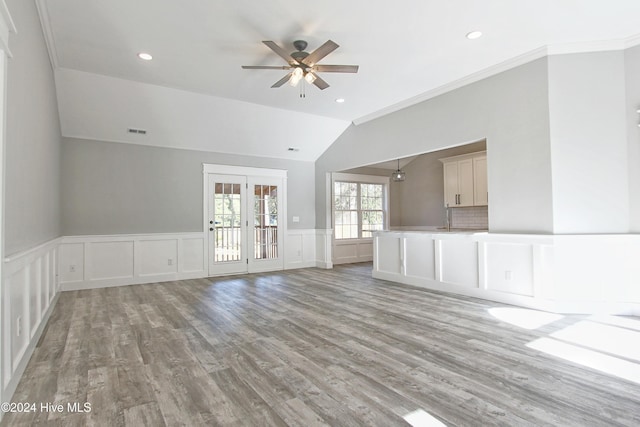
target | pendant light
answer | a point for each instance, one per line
(398, 175)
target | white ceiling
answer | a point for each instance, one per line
(404, 48)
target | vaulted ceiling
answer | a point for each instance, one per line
(194, 94)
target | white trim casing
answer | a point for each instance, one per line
(346, 251)
(251, 173)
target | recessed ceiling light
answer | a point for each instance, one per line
(145, 56)
(340, 100)
(474, 35)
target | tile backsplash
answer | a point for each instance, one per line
(474, 217)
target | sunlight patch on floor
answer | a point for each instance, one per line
(606, 338)
(589, 358)
(524, 318)
(421, 418)
(624, 322)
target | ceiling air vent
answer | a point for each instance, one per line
(138, 131)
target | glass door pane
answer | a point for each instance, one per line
(265, 221)
(228, 231)
(266, 235)
(227, 224)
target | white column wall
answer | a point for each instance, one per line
(588, 143)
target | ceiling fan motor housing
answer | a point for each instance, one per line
(300, 45)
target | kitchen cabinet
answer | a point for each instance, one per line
(480, 191)
(465, 180)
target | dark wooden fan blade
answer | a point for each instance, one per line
(266, 67)
(282, 81)
(320, 53)
(336, 68)
(321, 84)
(280, 52)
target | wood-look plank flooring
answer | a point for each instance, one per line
(306, 348)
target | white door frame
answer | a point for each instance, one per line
(251, 173)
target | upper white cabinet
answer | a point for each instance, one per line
(465, 180)
(480, 190)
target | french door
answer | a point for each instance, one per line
(245, 224)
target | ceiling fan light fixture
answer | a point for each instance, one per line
(310, 77)
(296, 76)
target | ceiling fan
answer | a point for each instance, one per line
(304, 65)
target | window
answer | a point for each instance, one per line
(359, 209)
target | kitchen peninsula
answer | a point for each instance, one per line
(558, 273)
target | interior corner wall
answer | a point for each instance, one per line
(33, 141)
(509, 109)
(632, 71)
(589, 143)
(117, 188)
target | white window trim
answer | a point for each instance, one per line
(361, 179)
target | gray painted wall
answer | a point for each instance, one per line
(114, 188)
(419, 200)
(589, 144)
(32, 150)
(632, 73)
(509, 110)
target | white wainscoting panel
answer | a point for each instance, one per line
(457, 260)
(352, 250)
(29, 292)
(158, 257)
(130, 259)
(560, 273)
(109, 259)
(300, 249)
(387, 253)
(324, 248)
(193, 250)
(509, 267)
(419, 257)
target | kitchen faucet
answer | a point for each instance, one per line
(448, 219)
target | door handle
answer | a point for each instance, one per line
(210, 228)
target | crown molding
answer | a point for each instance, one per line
(7, 26)
(45, 22)
(560, 49)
